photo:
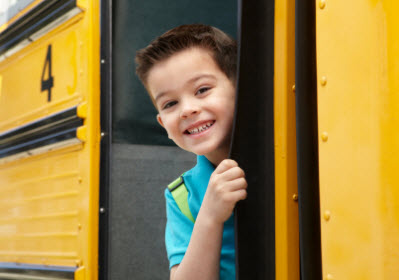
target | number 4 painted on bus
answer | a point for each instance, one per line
(49, 83)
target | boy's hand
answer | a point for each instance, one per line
(226, 187)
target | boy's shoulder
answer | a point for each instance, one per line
(190, 187)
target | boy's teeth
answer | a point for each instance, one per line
(201, 128)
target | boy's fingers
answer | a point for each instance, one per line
(237, 184)
(232, 174)
(225, 165)
(238, 195)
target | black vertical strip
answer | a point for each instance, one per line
(307, 140)
(106, 139)
(253, 141)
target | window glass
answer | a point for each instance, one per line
(9, 8)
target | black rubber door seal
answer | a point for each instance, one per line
(253, 141)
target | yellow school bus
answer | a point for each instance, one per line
(83, 163)
(49, 123)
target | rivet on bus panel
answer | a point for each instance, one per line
(78, 262)
(327, 215)
(293, 88)
(323, 81)
(322, 4)
(295, 197)
(80, 180)
(329, 277)
(324, 136)
(79, 226)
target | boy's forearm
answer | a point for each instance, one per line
(226, 187)
(202, 258)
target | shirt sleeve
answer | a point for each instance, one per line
(178, 231)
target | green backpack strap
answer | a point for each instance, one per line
(180, 193)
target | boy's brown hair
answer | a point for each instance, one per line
(222, 47)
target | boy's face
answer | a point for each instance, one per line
(195, 101)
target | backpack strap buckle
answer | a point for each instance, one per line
(175, 184)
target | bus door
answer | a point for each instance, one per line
(142, 161)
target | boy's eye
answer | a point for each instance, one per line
(203, 90)
(169, 104)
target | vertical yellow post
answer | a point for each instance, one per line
(287, 231)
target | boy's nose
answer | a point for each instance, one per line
(188, 111)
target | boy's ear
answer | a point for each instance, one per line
(160, 120)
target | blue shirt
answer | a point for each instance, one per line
(179, 227)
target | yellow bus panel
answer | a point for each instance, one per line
(358, 114)
(40, 215)
(22, 98)
(49, 196)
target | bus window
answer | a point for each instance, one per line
(143, 159)
(10, 8)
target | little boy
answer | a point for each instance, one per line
(190, 74)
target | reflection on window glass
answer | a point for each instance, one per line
(135, 24)
(9, 8)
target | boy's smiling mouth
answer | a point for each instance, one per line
(198, 128)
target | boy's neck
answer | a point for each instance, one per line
(216, 158)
